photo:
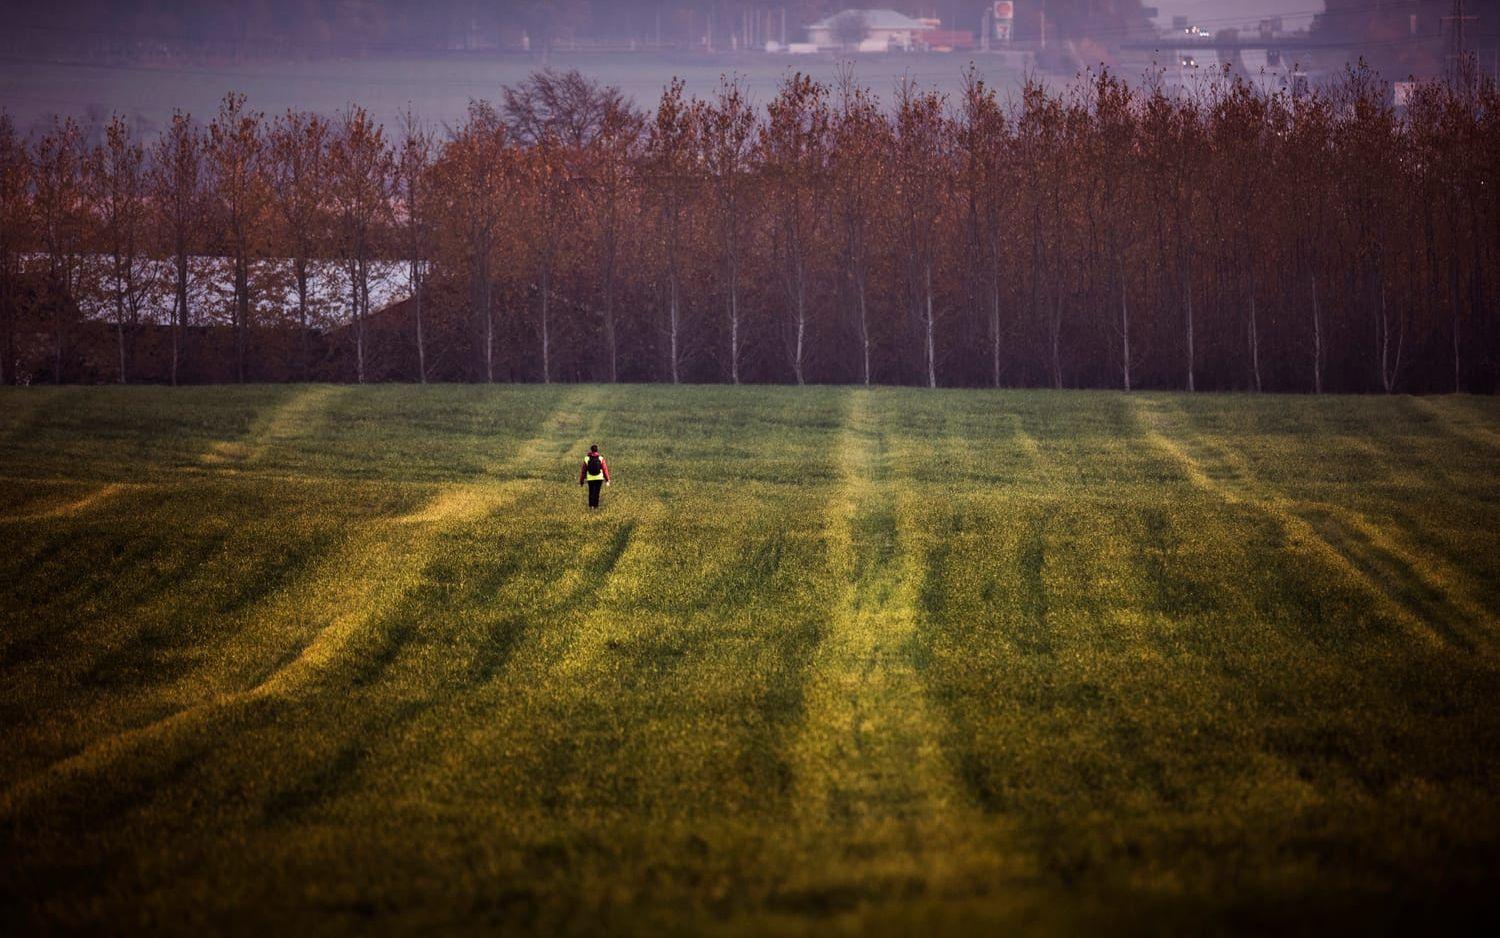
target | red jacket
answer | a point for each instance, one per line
(583, 470)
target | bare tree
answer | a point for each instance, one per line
(850, 28)
(59, 204)
(413, 184)
(983, 141)
(15, 219)
(1306, 163)
(547, 189)
(610, 181)
(297, 170)
(726, 127)
(361, 167)
(236, 154)
(1238, 127)
(473, 175)
(1369, 151)
(175, 185)
(670, 146)
(794, 158)
(1113, 158)
(922, 170)
(567, 106)
(117, 193)
(1219, 238)
(1173, 145)
(861, 156)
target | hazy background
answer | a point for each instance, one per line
(1298, 14)
(89, 58)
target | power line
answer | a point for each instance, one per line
(1459, 60)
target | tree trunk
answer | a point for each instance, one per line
(242, 313)
(8, 367)
(994, 322)
(734, 334)
(489, 338)
(1054, 330)
(176, 338)
(481, 289)
(672, 327)
(180, 324)
(1457, 304)
(1254, 337)
(57, 329)
(7, 326)
(359, 324)
(546, 286)
(864, 327)
(801, 327)
(301, 271)
(1124, 321)
(732, 275)
(1317, 339)
(1390, 362)
(931, 344)
(609, 334)
(1187, 298)
(609, 308)
(120, 322)
(416, 301)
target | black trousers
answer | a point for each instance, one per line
(594, 486)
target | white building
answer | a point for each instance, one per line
(867, 30)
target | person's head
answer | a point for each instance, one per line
(594, 448)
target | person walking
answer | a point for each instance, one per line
(594, 472)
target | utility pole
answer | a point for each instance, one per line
(1460, 61)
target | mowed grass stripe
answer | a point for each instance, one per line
(370, 572)
(1161, 667)
(1458, 417)
(1095, 694)
(873, 786)
(1339, 535)
(635, 591)
(297, 415)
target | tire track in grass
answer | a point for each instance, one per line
(472, 500)
(287, 420)
(873, 785)
(1368, 555)
(455, 504)
(1465, 429)
(371, 573)
(381, 655)
(75, 507)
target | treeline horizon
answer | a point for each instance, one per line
(1103, 236)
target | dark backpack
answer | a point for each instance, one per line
(596, 465)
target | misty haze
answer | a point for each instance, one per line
(641, 467)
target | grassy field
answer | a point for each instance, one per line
(829, 661)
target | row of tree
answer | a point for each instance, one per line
(1107, 236)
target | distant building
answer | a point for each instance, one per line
(869, 31)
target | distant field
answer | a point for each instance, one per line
(326, 660)
(438, 89)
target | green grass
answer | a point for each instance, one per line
(830, 660)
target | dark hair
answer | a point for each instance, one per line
(594, 448)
